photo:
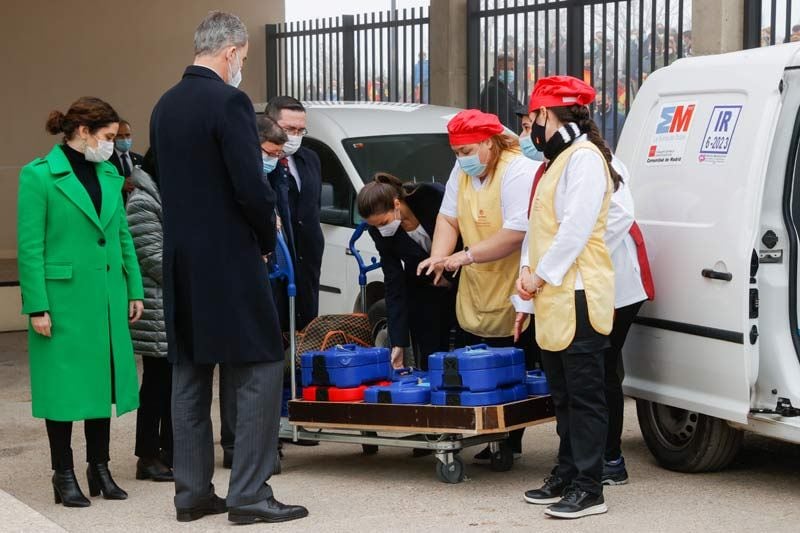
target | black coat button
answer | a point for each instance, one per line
(108, 267)
(101, 242)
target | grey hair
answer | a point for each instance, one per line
(217, 31)
(270, 131)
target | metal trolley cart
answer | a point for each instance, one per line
(444, 430)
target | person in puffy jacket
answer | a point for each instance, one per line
(149, 335)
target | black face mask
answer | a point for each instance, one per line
(551, 148)
(538, 135)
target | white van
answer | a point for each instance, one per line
(712, 147)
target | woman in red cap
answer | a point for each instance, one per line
(571, 279)
(486, 205)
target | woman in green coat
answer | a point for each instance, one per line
(81, 287)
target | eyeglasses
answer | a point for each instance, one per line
(302, 132)
(279, 154)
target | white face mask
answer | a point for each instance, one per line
(293, 144)
(235, 79)
(99, 153)
(388, 230)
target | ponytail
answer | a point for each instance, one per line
(580, 115)
(378, 196)
(55, 123)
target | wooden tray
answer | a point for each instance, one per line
(422, 418)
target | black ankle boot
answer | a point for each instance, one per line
(100, 480)
(67, 491)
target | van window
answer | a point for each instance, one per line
(411, 157)
(337, 196)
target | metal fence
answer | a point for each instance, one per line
(611, 44)
(379, 56)
(768, 22)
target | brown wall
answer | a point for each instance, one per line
(127, 53)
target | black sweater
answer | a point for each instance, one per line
(87, 175)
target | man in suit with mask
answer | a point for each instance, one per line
(123, 158)
(298, 195)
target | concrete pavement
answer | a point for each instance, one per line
(346, 491)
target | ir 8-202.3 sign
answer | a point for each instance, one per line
(716, 143)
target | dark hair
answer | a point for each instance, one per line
(270, 131)
(85, 111)
(580, 115)
(149, 165)
(123, 121)
(279, 103)
(377, 197)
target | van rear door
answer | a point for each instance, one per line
(697, 143)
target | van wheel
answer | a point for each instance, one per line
(379, 323)
(686, 441)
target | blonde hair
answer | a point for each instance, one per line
(500, 143)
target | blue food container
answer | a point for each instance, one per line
(476, 399)
(345, 366)
(399, 393)
(476, 368)
(409, 375)
(537, 383)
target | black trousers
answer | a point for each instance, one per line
(98, 436)
(533, 359)
(154, 417)
(577, 386)
(432, 316)
(614, 398)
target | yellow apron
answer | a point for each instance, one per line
(483, 307)
(555, 306)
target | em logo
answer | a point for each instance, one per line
(675, 119)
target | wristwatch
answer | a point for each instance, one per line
(469, 255)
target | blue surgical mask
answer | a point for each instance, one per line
(507, 77)
(269, 164)
(123, 145)
(529, 150)
(471, 165)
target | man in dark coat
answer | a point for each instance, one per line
(300, 174)
(218, 225)
(497, 96)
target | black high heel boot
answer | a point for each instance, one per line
(100, 480)
(67, 491)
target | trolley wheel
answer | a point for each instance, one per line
(450, 472)
(502, 459)
(369, 449)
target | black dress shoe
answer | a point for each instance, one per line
(166, 457)
(213, 505)
(67, 491)
(151, 468)
(227, 459)
(270, 510)
(100, 481)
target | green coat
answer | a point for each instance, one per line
(83, 270)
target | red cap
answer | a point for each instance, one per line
(472, 126)
(560, 91)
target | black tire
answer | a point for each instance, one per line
(379, 323)
(503, 459)
(685, 441)
(452, 472)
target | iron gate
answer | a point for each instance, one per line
(611, 44)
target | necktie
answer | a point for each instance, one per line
(539, 174)
(126, 167)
